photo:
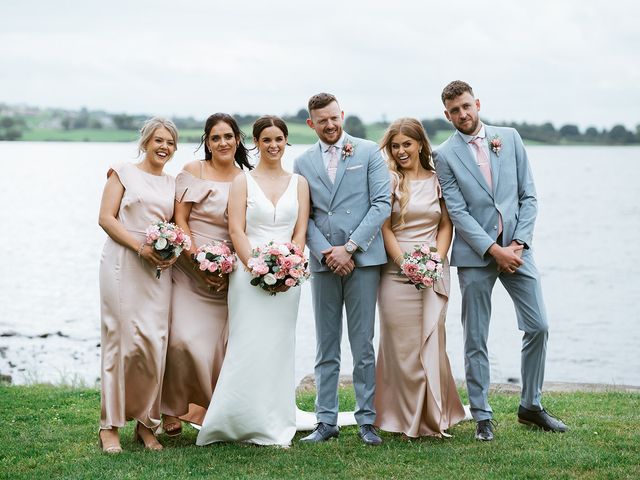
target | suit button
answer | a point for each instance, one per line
(328, 234)
(495, 227)
(348, 211)
(330, 213)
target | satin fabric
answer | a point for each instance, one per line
(415, 390)
(198, 328)
(134, 306)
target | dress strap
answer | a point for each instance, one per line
(201, 169)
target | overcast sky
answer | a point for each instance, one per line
(564, 61)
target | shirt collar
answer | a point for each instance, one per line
(339, 143)
(468, 138)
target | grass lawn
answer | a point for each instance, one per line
(51, 432)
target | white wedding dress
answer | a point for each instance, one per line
(254, 399)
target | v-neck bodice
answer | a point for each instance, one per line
(264, 220)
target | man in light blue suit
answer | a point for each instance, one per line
(350, 200)
(489, 192)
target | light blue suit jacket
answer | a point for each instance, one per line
(354, 207)
(474, 208)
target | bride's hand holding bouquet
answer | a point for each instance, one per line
(276, 267)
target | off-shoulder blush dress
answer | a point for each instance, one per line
(198, 331)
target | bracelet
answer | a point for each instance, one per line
(140, 248)
(395, 259)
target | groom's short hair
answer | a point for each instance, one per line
(320, 100)
(455, 89)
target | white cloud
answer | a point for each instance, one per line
(565, 62)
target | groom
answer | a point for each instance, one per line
(350, 200)
(488, 189)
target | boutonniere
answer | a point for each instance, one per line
(347, 150)
(495, 144)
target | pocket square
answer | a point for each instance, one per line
(354, 167)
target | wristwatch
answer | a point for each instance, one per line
(351, 247)
(519, 242)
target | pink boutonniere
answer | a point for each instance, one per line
(347, 150)
(495, 144)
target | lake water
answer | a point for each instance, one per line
(586, 244)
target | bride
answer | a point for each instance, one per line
(254, 400)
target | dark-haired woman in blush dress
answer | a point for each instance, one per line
(198, 331)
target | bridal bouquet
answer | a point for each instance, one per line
(423, 266)
(276, 264)
(215, 258)
(168, 240)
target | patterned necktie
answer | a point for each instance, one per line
(332, 165)
(482, 160)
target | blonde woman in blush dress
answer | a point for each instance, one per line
(415, 391)
(198, 331)
(134, 303)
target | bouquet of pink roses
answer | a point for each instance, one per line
(215, 258)
(276, 264)
(168, 240)
(423, 266)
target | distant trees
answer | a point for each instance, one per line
(354, 126)
(11, 128)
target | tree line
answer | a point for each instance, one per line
(14, 121)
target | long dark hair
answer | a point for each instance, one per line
(242, 154)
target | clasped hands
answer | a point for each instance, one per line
(153, 258)
(508, 258)
(339, 260)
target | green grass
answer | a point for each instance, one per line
(51, 432)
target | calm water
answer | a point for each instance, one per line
(586, 245)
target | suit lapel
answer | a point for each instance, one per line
(462, 151)
(495, 160)
(318, 165)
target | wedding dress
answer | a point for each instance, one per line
(254, 400)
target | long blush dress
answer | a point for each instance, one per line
(134, 306)
(198, 329)
(254, 400)
(415, 390)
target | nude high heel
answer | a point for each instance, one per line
(106, 448)
(153, 445)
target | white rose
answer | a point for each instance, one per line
(177, 251)
(270, 279)
(283, 249)
(201, 256)
(161, 243)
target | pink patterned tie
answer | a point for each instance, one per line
(332, 166)
(482, 160)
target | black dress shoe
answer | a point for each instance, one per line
(541, 419)
(321, 433)
(369, 435)
(484, 430)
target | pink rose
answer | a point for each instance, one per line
(430, 265)
(409, 268)
(295, 273)
(435, 256)
(204, 265)
(425, 249)
(290, 282)
(227, 266)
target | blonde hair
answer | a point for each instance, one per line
(413, 129)
(150, 126)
